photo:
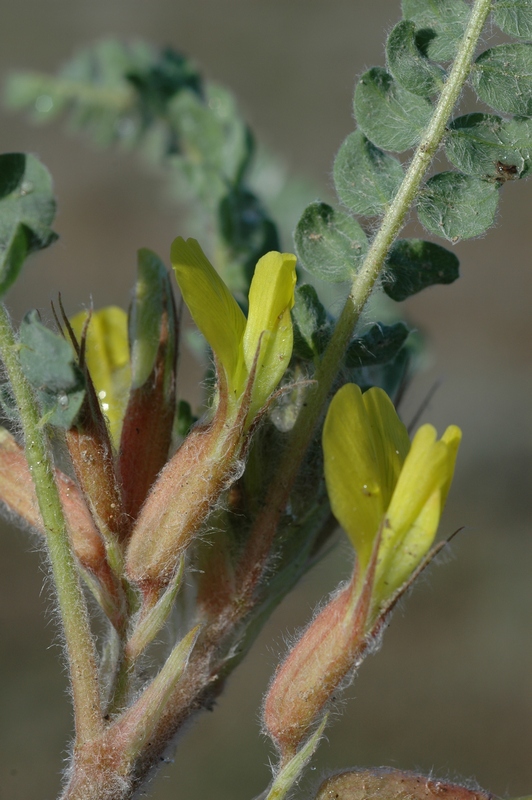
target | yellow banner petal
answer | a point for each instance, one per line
(364, 443)
(212, 306)
(269, 324)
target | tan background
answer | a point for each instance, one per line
(451, 691)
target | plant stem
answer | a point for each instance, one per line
(79, 641)
(302, 432)
(116, 98)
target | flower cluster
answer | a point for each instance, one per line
(388, 494)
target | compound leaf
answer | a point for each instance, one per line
(329, 243)
(365, 177)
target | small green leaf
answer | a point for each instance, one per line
(27, 209)
(457, 206)
(311, 327)
(214, 144)
(378, 346)
(514, 17)
(159, 81)
(490, 147)
(414, 264)
(329, 243)
(391, 117)
(410, 68)
(49, 363)
(502, 78)
(366, 179)
(442, 25)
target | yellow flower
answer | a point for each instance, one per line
(262, 343)
(379, 483)
(107, 357)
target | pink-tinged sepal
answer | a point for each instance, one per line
(149, 416)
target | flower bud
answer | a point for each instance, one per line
(393, 784)
(101, 357)
(186, 491)
(323, 658)
(149, 416)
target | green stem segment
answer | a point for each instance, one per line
(367, 276)
(79, 641)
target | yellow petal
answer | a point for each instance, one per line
(425, 470)
(391, 442)
(107, 356)
(271, 296)
(414, 512)
(451, 438)
(364, 445)
(212, 306)
(396, 564)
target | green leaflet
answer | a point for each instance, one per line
(212, 136)
(27, 209)
(490, 147)
(514, 17)
(248, 233)
(442, 24)
(311, 327)
(379, 345)
(413, 265)
(366, 178)
(390, 116)
(457, 206)
(390, 376)
(49, 364)
(502, 78)
(329, 243)
(408, 65)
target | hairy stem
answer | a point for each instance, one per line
(79, 641)
(114, 98)
(266, 523)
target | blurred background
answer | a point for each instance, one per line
(451, 690)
